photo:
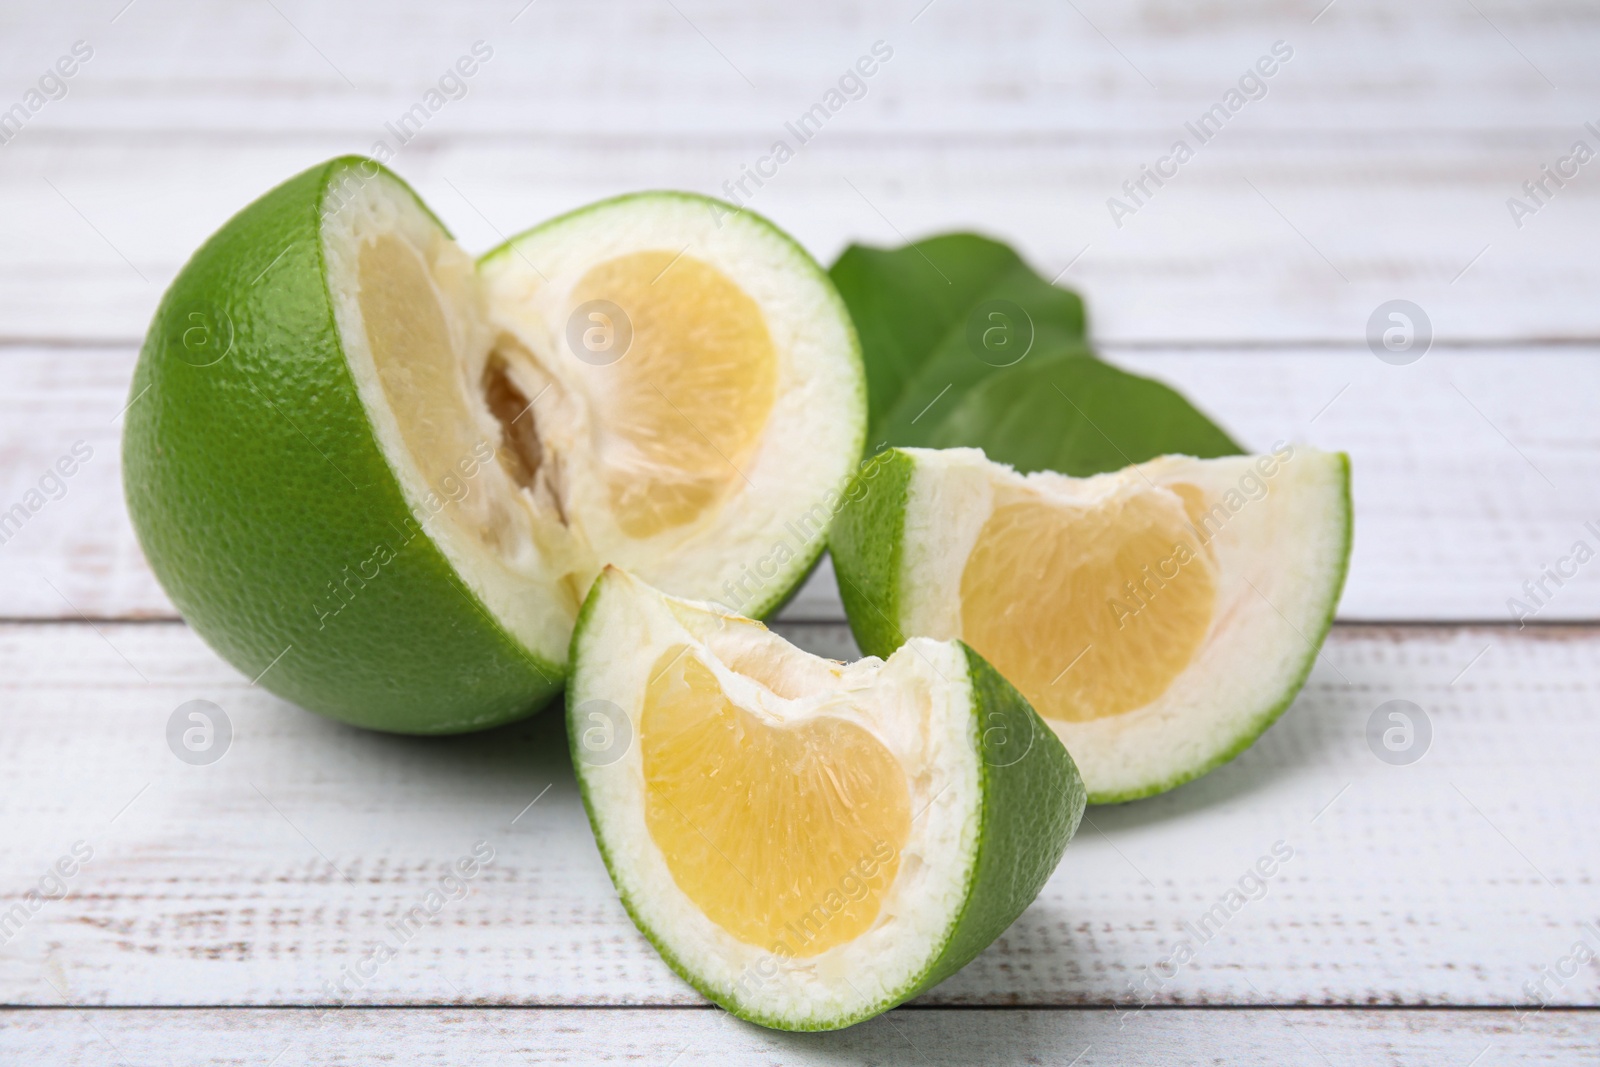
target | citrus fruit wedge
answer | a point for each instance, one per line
(807, 843)
(381, 476)
(1159, 618)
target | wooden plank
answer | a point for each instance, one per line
(1346, 185)
(712, 67)
(269, 877)
(1472, 474)
(1261, 238)
(70, 552)
(1471, 469)
(286, 1037)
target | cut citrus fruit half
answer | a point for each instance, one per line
(386, 475)
(1159, 618)
(807, 843)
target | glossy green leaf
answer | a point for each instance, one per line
(1076, 414)
(966, 346)
(914, 307)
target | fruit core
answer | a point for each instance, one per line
(786, 836)
(1091, 611)
(666, 396)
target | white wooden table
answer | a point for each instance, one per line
(1430, 910)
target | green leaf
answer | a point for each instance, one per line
(1076, 414)
(912, 307)
(966, 346)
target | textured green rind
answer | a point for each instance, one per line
(867, 541)
(255, 481)
(785, 584)
(1031, 801)
(1270, 714)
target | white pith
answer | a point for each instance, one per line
(748, 550)
(1278, 561)
(917, 703)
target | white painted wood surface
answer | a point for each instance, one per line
(653, 1038)
(1473, 471)
(1210, 259)
(1451, 881)
(1377, 166)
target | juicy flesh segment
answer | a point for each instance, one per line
(785, 836)
(674, 420)
(1090, 611)
(409, 337)
(691, 393)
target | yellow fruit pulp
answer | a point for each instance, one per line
(682, 409)
(410, 340)
(785, 836)
(1090, 611)
(692, 391)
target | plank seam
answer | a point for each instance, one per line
(1565, 1009)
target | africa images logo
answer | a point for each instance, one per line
(1251, 86)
